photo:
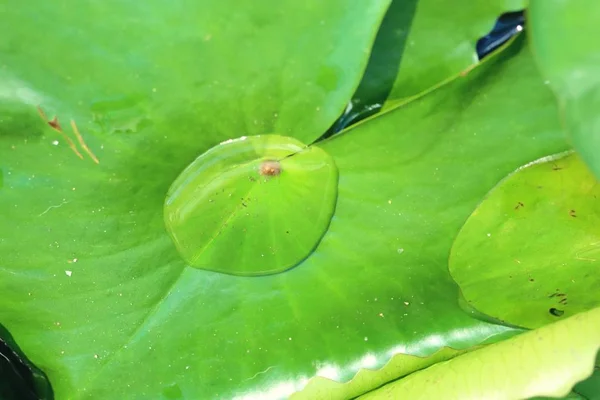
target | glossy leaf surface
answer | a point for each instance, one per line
(419, 46)
(322, 387)
(231, 68)
(437, 47)
(565, 39)
(529, 254)
(544, 362)
(252, 206)
(90, 240)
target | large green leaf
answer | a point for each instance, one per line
(565, 38)
(113, 311)
(184, 69)
(529, 252)
(547, 361)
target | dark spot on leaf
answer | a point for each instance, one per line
(572, 213)
(55, 124)
(531, 280)
(519, 205)
(556, 312)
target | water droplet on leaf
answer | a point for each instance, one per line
(232, 208)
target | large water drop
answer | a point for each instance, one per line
(252, 206)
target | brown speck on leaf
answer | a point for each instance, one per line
(573, 214)
(270, 168)
(519, 205)
(54, 124)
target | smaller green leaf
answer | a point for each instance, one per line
(530, 252)
(251, 206)
(544, 362)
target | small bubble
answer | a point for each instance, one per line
(68, 273)
(400, 251)
(366, 339)
(55, 142)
